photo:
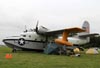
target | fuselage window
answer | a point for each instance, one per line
(41, 40)
(35, 39)
(30, 36)
(24, 35)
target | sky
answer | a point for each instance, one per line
(53, 14)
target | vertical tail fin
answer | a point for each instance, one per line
(86, 26)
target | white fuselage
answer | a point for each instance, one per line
(32, 40)
(27, 40)
(77, 41)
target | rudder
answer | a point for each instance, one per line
(86, 26)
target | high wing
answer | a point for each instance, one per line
(65, 33)
(58, 32)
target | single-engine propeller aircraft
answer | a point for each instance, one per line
(40, 37)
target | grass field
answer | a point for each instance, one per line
(39, 60)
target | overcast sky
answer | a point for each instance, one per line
(53, 14)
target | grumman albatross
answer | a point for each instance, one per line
(40, 37)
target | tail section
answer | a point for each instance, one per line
(86, 26)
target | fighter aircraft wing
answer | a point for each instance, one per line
(68, 30)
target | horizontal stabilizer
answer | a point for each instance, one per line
(89, 35)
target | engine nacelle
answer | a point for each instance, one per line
(42, 30)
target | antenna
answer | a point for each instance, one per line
(25, 28)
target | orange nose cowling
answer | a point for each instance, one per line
(58, 41)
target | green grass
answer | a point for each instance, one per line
(39, 60)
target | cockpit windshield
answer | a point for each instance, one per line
(30, 30)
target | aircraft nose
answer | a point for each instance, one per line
(4, 40)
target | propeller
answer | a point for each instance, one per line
(36, 29)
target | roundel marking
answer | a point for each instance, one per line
(21, 41)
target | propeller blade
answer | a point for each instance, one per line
(37, 26)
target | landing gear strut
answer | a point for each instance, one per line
(14, 50)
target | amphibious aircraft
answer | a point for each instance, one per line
(40, 37)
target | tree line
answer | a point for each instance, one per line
(94, 42)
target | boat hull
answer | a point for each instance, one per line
(25, 44)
